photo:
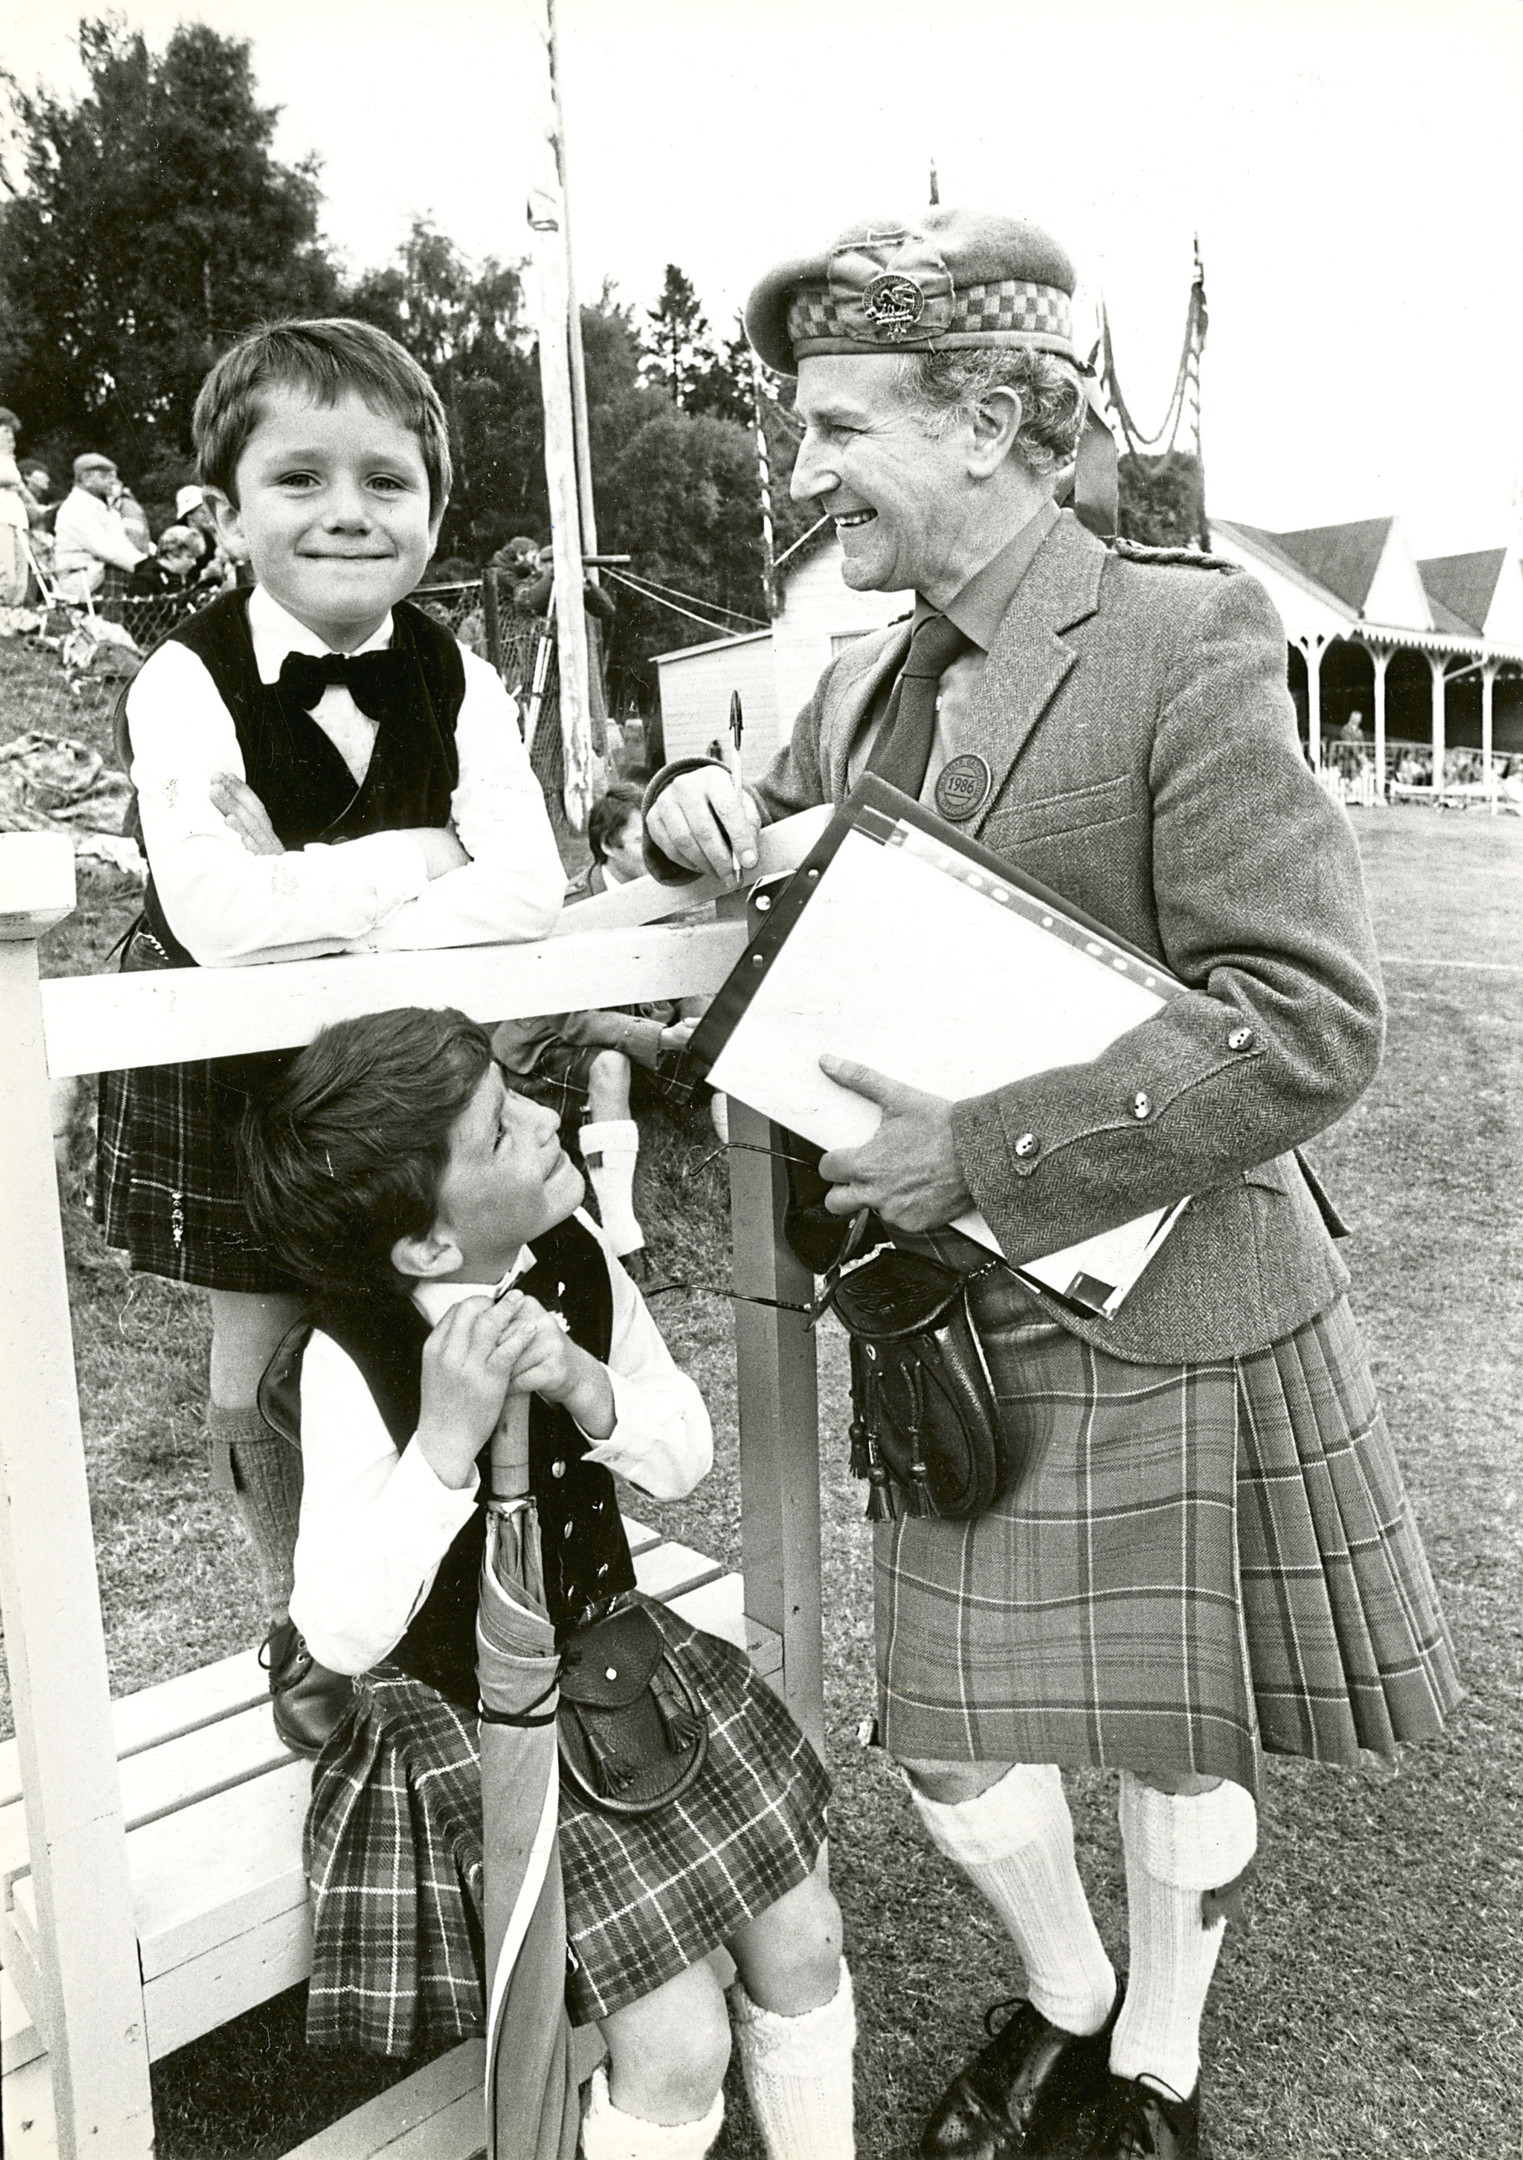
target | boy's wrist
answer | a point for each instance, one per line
(589, 1402)
(449, 1454)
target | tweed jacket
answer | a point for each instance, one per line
(1145, 764)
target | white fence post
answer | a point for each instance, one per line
(90, 1999)
(777, 1392)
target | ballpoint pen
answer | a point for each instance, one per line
(733, 766)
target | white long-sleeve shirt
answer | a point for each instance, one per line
(230, 908)
(375, 1523)
(87, 534)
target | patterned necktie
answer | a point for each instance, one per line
(903, 749)
(373, 679)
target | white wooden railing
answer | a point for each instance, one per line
(86, 1992)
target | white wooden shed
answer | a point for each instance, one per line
(774, 670)
(696, 682)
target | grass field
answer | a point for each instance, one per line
(1369, 2004)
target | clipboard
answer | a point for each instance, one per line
(907, 946)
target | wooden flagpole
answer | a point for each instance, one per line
(552, 319)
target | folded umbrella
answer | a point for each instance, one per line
(533, 2109)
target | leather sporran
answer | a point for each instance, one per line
(632, 1733)
(926, 1431)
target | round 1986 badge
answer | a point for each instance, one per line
(893, 304)
(962, 787)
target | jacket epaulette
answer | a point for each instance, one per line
(1169, 557)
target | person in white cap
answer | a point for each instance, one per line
(1209, 1553)
(193, 509)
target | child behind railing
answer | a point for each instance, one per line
(319, 769)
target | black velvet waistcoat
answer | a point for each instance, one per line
(292, 766)
(586, 1552)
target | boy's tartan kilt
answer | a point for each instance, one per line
(1200, 1560)
(166, 1176)
(394, 1857)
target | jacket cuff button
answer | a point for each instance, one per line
(1241, 1038)
(1141, 1105)
(1027, 1146)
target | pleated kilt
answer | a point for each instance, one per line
(166, 1176)
(393, 1852)
(1199, 1561)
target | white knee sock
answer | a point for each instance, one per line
(609, 2134)
(610, 1150)
(1016, 1843)
(1176, 1849)
(798, 2073)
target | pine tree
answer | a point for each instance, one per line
(677, 346)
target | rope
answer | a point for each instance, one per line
(675, 592)
(721, 629)
(1138, 442)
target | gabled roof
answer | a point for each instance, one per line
(1344, 558)
(1269, 549)
(1462, 587)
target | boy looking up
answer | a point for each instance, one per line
(436, 1218)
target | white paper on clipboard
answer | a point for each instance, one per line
(913, 959)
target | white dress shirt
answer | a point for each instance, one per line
(230, 908)
(87, 534)
(375, 1523)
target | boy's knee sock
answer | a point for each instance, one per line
(261, 1473)
(1016, 1843)
(609, 2134)
(610, 1150)
(798, 2073)
(1176, 1850)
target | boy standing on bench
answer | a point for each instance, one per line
(436, 1219)
(319, 768)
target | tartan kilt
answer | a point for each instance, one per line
(393, 1853)
(166, 1175)
(1199, 1561)
(561, 1075)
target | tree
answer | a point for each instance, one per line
(151, 225)
(1162, 500)
(677, 345)
(721, 383)
(456, 322)
(682, 500)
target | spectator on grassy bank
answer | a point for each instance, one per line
(19, 510)
(94, 554)
(193, 511)
(172, 576)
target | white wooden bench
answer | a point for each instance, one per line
(150, 1850)
(213, 1806)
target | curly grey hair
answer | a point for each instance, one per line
(941, 387)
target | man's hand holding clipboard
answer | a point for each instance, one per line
(908, 1171)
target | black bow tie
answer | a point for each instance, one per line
(373, 679)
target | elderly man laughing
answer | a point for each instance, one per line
(1209, 1552)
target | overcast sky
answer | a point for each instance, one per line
(1354, 169)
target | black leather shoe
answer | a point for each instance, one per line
(309, 1702)
(1023, 2093)
(1138, 2122)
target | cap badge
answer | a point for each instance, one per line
(893, 304)
(889, 286)
(962, 787)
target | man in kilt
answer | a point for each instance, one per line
(1209, 1552)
